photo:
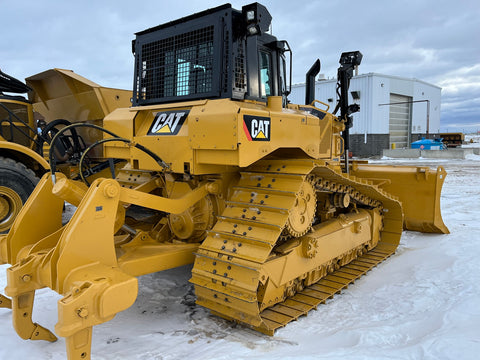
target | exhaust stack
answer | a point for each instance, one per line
(310, 82)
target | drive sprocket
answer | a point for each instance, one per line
(302, 214)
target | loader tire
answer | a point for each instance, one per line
(16, 184)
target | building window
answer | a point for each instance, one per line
(355, 95)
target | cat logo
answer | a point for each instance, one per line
(168, 122)
(257, 128)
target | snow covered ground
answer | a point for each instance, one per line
(422, 303)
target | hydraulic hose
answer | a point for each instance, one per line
(82, 158)
(115, 138)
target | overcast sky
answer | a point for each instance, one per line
(437, 41)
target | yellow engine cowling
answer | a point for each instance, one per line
(218, 136)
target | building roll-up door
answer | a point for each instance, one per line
(400, 119)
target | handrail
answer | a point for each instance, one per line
(12, 124)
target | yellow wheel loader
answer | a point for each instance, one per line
(57, 98)
(223, 172)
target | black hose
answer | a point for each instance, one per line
(99, 142)
(115, 137)
(52, 161)
(153, 156)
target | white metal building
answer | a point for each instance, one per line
(394, 111)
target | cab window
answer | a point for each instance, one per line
(265, 73)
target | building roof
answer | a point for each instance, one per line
(372, 75)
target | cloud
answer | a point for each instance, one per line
(461, 98)
(431, 40)
(463, 80)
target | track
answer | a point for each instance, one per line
(229, 263)
(304, 301)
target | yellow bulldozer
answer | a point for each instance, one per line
(56, 98)
(223, 172)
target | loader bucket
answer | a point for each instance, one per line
(418, 188)
(63, 94)
(60, 93)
